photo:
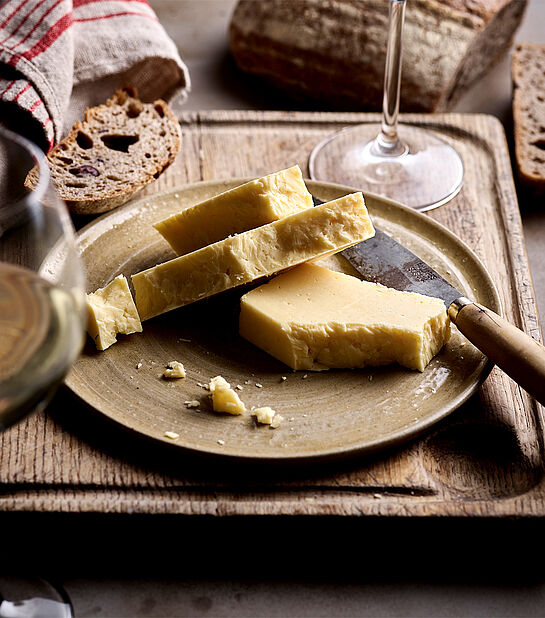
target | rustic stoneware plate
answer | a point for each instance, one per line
(326, 415)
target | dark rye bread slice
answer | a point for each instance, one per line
(117, 150)
(528, 71)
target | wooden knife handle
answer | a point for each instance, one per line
(521, 357)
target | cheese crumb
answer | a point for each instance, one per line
(193, 403)
(174, 370)
(264, 415)
(172, 435)
(267, 416)
(224, 398)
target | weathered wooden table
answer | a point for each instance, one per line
(485, 460)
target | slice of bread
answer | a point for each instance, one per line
(528, 71)
(117, 150)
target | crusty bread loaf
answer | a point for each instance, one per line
(528, 71)
(118, 149)
(334, 51)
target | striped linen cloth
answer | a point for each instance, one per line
(58, 57)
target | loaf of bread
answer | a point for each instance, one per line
(334, 51)
(528, 71)
(117, 150)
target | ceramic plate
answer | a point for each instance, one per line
(326, 415)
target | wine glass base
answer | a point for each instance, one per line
(22, 597)
(427, 174)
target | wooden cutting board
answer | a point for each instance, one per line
(486, 459)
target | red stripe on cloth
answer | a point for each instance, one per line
(56, 30)
(23, 21)
(6, 90)
(22, 92)
(12, 14)
(35, 105)
(37, 24)
(122, 14)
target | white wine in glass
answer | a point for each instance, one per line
(42, 301)
(407, 164)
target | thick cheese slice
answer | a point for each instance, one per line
(242, 208)
(314, 318)
(111, 311)
(309, 234)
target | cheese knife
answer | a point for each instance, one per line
(382, 259)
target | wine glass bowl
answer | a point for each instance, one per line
(405, 163)
(42, 298)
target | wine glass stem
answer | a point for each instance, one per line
(387, 142)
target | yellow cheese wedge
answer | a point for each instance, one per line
(313, 318)
(309, 234)
(111, 311)
(242, 208)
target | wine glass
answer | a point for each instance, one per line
(407, 164)
(42, 320)
(42, 299)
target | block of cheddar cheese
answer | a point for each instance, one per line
(313, 318)
(242, 208)
(309, 234)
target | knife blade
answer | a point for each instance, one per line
(382, 259)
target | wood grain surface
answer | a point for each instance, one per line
(484, 460)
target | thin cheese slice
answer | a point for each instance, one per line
(313, 318)
(111, 311)
(242, 208)
(309, 234)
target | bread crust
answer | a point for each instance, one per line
(333, 51)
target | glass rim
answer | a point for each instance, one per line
(37, 155)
